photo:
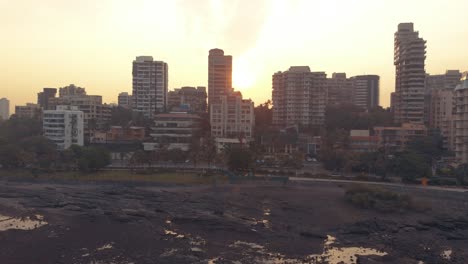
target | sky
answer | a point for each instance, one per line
(92, 43)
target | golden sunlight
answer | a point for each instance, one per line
(243, 75)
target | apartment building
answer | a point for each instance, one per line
(441, 115)
(4, 109)
(125, 100)
(150, 83)
(361, 141)
(409, 61)
(175, 130)
(219, 75)
(194, 98)
(340, 89)
(64, 126)
(44, 96)
(29, 110)
(71, 90)
(447, 81)
(365, 91)
(299, 97)
(396, 138)
(461, 121)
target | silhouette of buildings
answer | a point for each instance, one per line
(461, 121)
(193, 98)
(366, 91)
(219, 75)
(4, 109)
(339, 89)
(44, 96)
(29, 110)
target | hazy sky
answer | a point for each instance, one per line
(92, 43)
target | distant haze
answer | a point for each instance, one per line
(92, 43)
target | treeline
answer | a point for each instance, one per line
(23, 147)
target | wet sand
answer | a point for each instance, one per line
(262, 223)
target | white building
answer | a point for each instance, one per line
(4, 109)
(175, 130)
(64, 126)
(150, 82)
(232, 120)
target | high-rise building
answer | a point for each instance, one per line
(366, 89)
(150, 82)
(232, 120)
(447, 81)
(219, 75)
(441, 114)
(64, 126)
(340, 89)
(28, 111)
(409, 61)
(4, 109)
(299, 97)
(193, 98)
(125, 100)
(44, 96)
(461, 121)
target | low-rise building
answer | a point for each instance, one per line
(175, 130)
(397, 137)
(64, 126)
(192, 97)
(361, 141)
(28, 111)
(119, 134)
(44, 96)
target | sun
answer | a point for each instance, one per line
(243, 75)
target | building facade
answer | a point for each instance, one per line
(361, 141)
(219, 75)
(150, 82)
(447, 82)
(366, 91)
(409, 61)
(96, 114)
(64, 126)
(232, 117)
(28, 111)
(441, 115)
(461, 122)
(396, 138)
(340, 89)
(176, 130)
(125, 100)
(299, 97)
(194, 98)
(4, 109)
(44, 96)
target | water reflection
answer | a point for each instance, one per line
(26, 223)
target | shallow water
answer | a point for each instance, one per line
(7, 223)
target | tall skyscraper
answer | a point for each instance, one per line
(4, 109)
(409, 59)
(219, 75)
(44, 96)
(299, 97)
(150, 82)
(366, 89)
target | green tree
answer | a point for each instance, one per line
(239, 159)
(93, 158)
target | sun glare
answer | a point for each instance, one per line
(243, 76)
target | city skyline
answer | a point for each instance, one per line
(94, 44)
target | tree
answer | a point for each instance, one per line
(263, 116)
(16, 128)
(239, 159)
(208, 149)
(93, 158)
(410, 165)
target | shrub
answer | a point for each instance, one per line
(377, 198)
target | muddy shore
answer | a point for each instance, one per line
(261, 223)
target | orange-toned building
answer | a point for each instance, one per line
(120, 134)
(398, 137)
